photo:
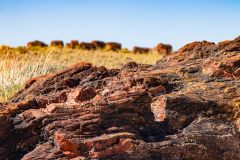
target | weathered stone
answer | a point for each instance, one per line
(36, 44)
(99, 44)
(113, 46)
(163, 48)
(86, 45)
(57, 43)
(186, 106)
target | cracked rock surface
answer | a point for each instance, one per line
(186, 106)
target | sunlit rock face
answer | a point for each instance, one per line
(186, 106)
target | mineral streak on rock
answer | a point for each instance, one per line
(186, 106)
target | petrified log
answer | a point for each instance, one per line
(57, 43)
(113, 46)
(164, 49)
(186, 106)
(74, 44)
(99, 44)
(87, 46)
(36, 43)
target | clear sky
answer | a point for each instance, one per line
(131, 22)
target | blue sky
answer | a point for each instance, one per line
(131, 22)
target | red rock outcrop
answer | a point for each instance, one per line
(74, 44)
(113, 46)
(36, 44)
(86, 45)
(99, 44)
(186, 106)
(57, 43)
(164, 49)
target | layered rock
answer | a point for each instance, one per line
(186, 106)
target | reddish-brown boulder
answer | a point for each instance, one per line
(36, 44)
(163, 48)
(74, 44)
(87, 46)
(113, 46)
(140, 50)
(99, 44)
(186, 106)
(57, 43)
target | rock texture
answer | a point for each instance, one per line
(186, 106)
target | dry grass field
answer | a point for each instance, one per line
(19, 64)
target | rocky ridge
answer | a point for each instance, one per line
(186, 106)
